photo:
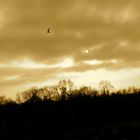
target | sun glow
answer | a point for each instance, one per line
(93, 62)
(30, 64)
(12, 78)
(99, 62)
(27, 64)
(85, 51)
(68, 62)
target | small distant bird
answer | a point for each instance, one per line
(48, 31)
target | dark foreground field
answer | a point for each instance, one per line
(80, 117)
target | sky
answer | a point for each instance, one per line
(89, 41)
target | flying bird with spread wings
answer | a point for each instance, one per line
(48, 31)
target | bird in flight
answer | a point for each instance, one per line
(48, 31)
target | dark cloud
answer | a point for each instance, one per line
(109, 30)
(24, 33)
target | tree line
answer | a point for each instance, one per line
(65, 90)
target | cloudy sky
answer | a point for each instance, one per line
(90, 41)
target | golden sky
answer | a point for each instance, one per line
(90, 41)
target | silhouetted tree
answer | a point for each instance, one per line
(46, 93)
(87, 90)
(31, 95)
(9, 101)
(54, 92)
(65, 87)
(105, 87)
(19, 98)
(132, 90)
(2, 100)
